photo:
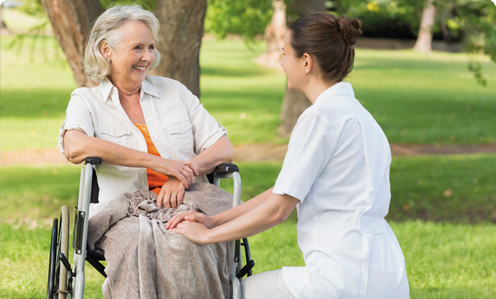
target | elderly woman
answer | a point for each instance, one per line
(150, 132)
(153, 134)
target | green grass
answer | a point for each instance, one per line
(455, 189)
(24, 264)
(442, 260)
(426, 99)
(416, 99)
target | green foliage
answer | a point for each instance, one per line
(245, 18)
(475, 21)
(386, 16)
(32, 8)
(149, 4)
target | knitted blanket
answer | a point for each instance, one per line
(147, 261)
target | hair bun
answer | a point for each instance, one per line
(350, 29)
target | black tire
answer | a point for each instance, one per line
(53, 260)
(57, 273)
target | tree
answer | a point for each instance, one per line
(71, 22)
(294, 103)
(180, 35)
(274, 35)
(424, 39)
(180, 40)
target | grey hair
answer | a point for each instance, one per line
(107, 28)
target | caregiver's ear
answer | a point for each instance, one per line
(308, 62)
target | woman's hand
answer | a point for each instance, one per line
(171, 194)
(195, 231)
(191, 216)
(184, 171)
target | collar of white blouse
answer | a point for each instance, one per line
(107, 88)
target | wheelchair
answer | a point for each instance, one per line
(66, 281)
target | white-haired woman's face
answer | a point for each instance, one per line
(134, 54)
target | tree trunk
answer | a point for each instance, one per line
(274, 35)
(294, 103)
(71, 21)
(424, 39)
(180, 40)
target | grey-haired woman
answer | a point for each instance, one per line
(150, 132)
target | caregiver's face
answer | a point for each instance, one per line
(292, 66)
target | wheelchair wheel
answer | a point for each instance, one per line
(57, 273)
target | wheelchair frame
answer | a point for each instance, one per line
(65, 281)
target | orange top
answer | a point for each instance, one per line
(155, 179)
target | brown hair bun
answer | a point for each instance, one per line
(350, 29)
(329, 40)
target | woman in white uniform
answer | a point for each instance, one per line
(336, 173)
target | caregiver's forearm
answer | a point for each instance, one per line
(265, 215)
(241, 209)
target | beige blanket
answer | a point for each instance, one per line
(147, 261)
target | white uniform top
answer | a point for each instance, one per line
(337, 166)
(179, 127)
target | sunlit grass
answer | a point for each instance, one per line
(443, 261)
(415, 98)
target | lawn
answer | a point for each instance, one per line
(442, 208)
(416, 99)
(449, 259)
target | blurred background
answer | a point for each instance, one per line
(425, 69)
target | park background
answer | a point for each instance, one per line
(437, 109)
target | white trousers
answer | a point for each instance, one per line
(266, 285)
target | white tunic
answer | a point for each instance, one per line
(337, 166)
(179, 127)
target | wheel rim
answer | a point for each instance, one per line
(63, 248)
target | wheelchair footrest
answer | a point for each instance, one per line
(250, 264)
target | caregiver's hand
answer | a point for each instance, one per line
(190, 216)
(195, 231)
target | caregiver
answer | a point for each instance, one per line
(336, 172)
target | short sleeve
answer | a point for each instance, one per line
(309, 151)
(78, 118)
(206, 130)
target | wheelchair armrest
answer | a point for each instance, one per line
(222, 168)
(93, 161)
(226, 168)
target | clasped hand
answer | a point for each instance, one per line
(192, 225)
(181, 175)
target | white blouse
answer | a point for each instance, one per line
(337, 166)
(179, 127)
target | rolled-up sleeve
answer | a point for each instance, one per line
(78, 118)
(206, 130)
